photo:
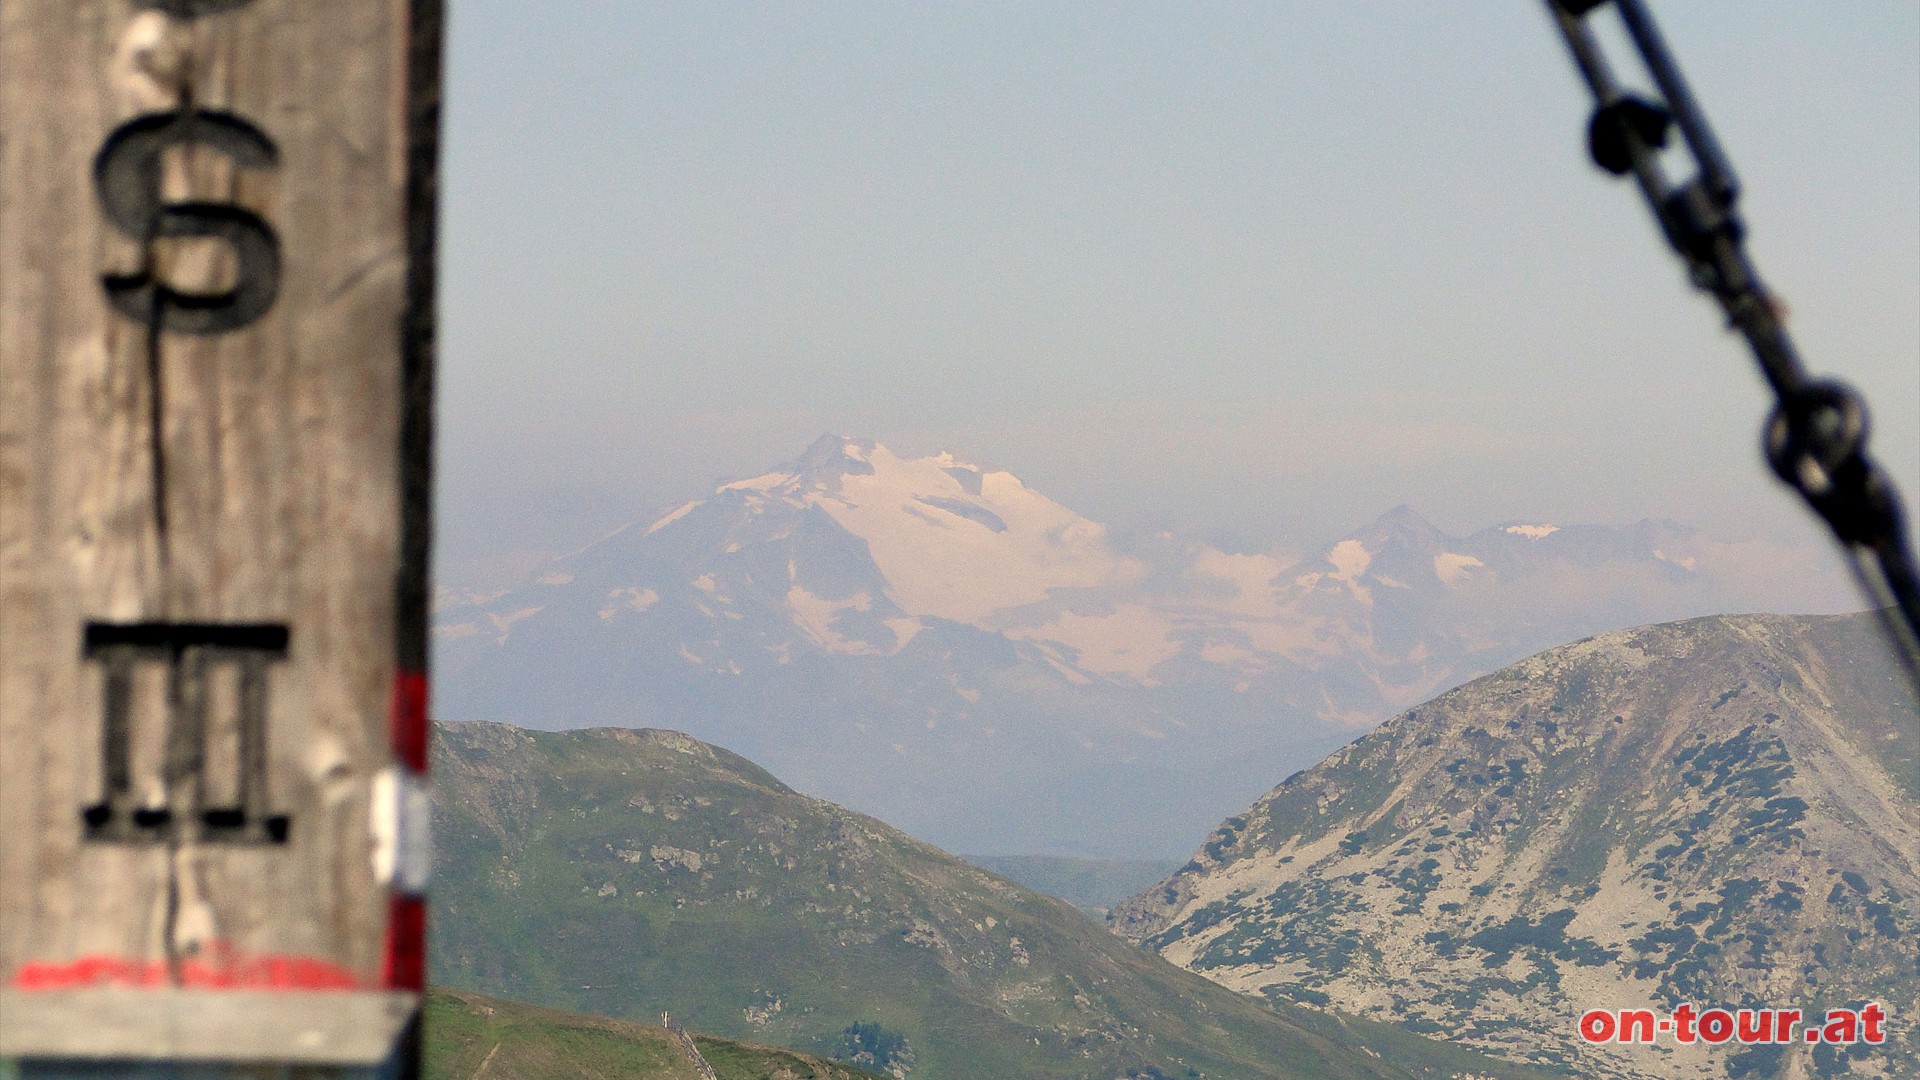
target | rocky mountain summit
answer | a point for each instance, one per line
(949, 649)
(629, 873)
(1723, 812)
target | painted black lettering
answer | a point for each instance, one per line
(127, 175)
(190, 9)
(188, 653)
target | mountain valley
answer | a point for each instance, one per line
(946, 648)
(628, 873)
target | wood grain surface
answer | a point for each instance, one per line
(153, 473)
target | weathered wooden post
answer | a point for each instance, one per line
(216, 367)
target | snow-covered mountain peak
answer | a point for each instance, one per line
(949, 539)
(851, 548)
(961, 544)
(1400, 529)
(832, 456)
(821, 466)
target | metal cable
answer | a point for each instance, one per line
(1816, 438)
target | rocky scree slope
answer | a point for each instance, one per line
(627, 873)
(1724, 811)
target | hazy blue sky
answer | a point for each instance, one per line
(1257, 271)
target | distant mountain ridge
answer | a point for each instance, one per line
(1723, 812)
(944, 646)
(1095, 886)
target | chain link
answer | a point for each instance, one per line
(1816, 438)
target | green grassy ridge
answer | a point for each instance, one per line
(626, 872)
(472, 1037)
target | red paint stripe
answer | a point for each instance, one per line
(409, 719)
(89, 971)
(219, 967)
(405, 964)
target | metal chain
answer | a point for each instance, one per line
(1816, 438)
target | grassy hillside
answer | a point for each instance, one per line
(628, 873)
(470, 1037)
